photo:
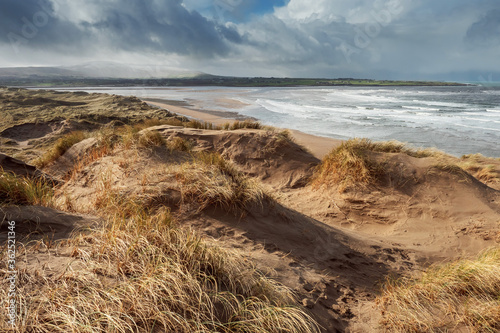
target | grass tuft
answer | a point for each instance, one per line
(179, 144)
(16, 190)
(461, 295)
(347, 165)
(151, 139)
(60, 147)
(479, 167)
(452, 169)
(210, 180)
(151, 277)
(250, 124)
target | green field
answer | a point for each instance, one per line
(210, 80)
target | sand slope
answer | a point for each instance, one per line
(334, 249)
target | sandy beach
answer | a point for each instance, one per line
(317, 145)
(330, 232)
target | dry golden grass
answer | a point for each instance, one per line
(210, 180)
(461, 295)
(142, 272)
(392, 147)
(250, 124)
(149, 276)
(479, 167)
(452, 169)
(59, 148)
(16, 190)
(349, 164)
(179, 144)
(151, 139)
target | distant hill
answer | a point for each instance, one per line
(106, 73)
(98, 70)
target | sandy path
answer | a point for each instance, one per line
(318, 146)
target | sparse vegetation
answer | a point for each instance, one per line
(149, 276)
(210, 180)
(151, 138)
(350, 164)
(393, 147)
(179, 144)
(144, 273)
(16, 190)
(480, 167)
(60, 147)
(462, 295)
(242, 124)
(347, 165)
(452, 169)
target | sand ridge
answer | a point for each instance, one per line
(333, 248)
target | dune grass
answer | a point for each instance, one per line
(129, 136)
(480, 167)
(210, 180)
(347, 165)
(392, 146)
(461, 295)
(151, 139)
(146, 275)
(193, 123)
(250, 124)
(16, 190)
(350, 165)
(60, 147)
(142, 272)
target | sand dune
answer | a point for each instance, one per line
(332, 248)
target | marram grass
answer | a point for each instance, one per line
(153, 277)
(461, 295)
(350, 165)
(210, 180)
(346, 166)
(18, 190)
(60, 147)
(141, 272)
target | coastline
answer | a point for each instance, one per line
(319, 146)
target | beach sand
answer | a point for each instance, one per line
(317, 145)
(333, 248)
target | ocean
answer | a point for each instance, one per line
(458, 120)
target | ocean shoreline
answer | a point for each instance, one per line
(319, 146)
(421, 119)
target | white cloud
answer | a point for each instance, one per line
(304, 38)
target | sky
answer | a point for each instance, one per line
(378, 39)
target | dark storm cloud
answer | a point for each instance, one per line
(33, 23)
(130, 25)
(364, 38)
(163, 26)
(486, 31)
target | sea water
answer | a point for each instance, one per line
(458, 120)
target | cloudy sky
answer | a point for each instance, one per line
(387, 39)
